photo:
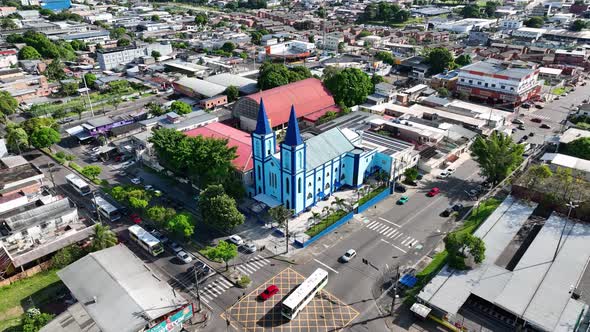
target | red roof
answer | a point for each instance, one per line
(308, 96)
(235, 137)
(8, 52)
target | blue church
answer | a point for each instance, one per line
(301, 173)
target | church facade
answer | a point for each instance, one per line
(300, 173)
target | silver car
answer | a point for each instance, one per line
(348, 255)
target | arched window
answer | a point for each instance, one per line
(259, 190)
(258, 173)
(343, 176)
(328, 174)
(287, 186)
(299, 186)
(309, 196)
(327, 186)
(287, 204)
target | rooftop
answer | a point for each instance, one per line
(201, 87)
(497, 68)
(20, 172)
(326, 146)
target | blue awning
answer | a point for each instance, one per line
(408, 280)
(267, 200)
(321, 195)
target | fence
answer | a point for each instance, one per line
(328, 229)
(26, 273)
(379, 197)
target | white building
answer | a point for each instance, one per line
(332, 40)
(8, 58)
(528, 33)
(466, 25)
(111, 58)
(164, 49)
(511, 23)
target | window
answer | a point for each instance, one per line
(343, 176)
(462, 80)
(511, 88)
(328, 174)
(327, 186)
(258, 172)
(486, 85)
(287, 185)
(336, 170)
(470, 81)
(299, 186)
(309, 184)
(309, 196)
(478, 82)
(503, 87)
(319, 179)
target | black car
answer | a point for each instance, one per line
(400, 188)
(458, 207)
(447, 212)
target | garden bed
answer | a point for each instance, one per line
(325, 223)
(372, 194)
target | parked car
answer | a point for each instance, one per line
(521, 127)
(236, 239)
(526, 105)
(268, 292)
(160, 237)
(536, 120)
(517, 121)
(135, 181)
(447, 212)
(545, 126)
(148, 187)
(433, 192)
(402, 200)
(184, 257)
(458, 207)
(348, 255)
(443, 175)
(135, 218)
(539, 106)
(250, 247)
(531, 134)
(175, 247)
(400, 188)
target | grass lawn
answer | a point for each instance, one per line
(325, 223)
(9, 324)
(439, 260)
(372, 194)
(558, 91)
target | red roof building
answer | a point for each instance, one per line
(235, 137)
(310, 98)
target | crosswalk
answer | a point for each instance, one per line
(252, 265)
(214, 288)
(540, 116)
(392, 233)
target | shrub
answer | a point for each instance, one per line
(67, 256)
(244, 281)
(325, 223)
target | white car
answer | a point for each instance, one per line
(184, 257)
(444, 175)
(135, 181)
(250, 247)
(236, 239)
(148, 187)
(450, 170)
(348, 255)
(96, 149)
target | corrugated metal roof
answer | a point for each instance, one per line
(325, 147)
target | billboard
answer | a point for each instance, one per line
(174, 321)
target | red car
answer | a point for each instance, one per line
(268, 292)
(135, 218)
(433, 192)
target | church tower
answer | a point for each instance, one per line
(293, 166)
(264, 146)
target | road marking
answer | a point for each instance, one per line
(399, 235)
(406, 239)
(326, 266)
(371, 224)
(391, 222)
(385, 241)
(388, 234)
(413, 243)
(256, 264)
(400, 249)
(384, 230)
(263, 259)
(242, 270)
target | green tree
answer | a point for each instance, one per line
(471, 11)
(91, 171)
(33, 124)
(78, 110)
(28, 53)
(138, 203)
(534, 22)
(201, 19)
(457, 243)
(79, 45)
(181, 224)
(228, 47)
(463, 60)
(537, 174)
(376, 79)
(364, 33)
(386, 57)
(232, 93)
(115, 101)
(156, 109)
(90, 78)
(123, 42)
(34, 320)
(579, 148)
(160, 214)
(256, 37)
(281, 215)
(156, 55)
(119, 86)
(439, 59)
(44, 137)
(17, 139)
(497, 156)
(578, 25)
(103, 238)
(274, 74)
(411, 174)
(8, 104)
(69, 89)
(341, 47)
(7, 24)
(443, 92)
(223, 251)
(350, 86)
(117, 32)
(490, 8)
(218, 209)
(180, 107)
(55, 70)
(155, 18)
(67, 256)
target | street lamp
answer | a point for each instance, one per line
(571, 206)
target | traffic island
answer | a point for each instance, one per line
(324, 312)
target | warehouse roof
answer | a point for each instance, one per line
(201, 87)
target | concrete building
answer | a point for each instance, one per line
(20, 182)
(466, 25)
(332, 40)
(8, 58)
(528, 33)
(499, 82)
(118, 56)
(511, 23)
(579, 167)
(197, 88)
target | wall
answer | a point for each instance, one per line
(27, 273)
(332, 227)
(374, 200)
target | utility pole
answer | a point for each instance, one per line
(395, 289)
(50, 169)
(197, 288)
(88, 96)
(571, 206)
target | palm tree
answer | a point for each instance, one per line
(340, 203)
(281, 215)
(103, 238)
(315, 217)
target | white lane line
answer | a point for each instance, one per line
(211, 291)
(400, 249)
(379, 229)
(385, 241)
(413, 243)
(326, 266)
(391, 222)
(406, 240)
(263, 259)
(205, 298)
(226, 283)
(249, 267)
(242, 270)
(256, 263)
(372, 223)
(384, 230)
(399, 235)
(392, 231)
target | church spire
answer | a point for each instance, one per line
(293, 137)
(262, 126)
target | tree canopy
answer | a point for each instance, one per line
(456, 243)
(181, 224)
(44, 137)
(276, 74)
(440, 59)
(350, 86)
(201, 19)
(123, 42)
(103, 238)
(90, 78)
(463, 60)
(497, 156)
(16, 139)
(8, 104)
(160, 214)
(218, 209)
(579, 148)
(232, 93)
(55, 70)
(224, 251)
(534, 22)
(578, 25)
(28, 53)
(47, 48)
(386, 57)
(91, 171)
(180, 107)
(385, 12)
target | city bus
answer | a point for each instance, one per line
(304, 293)
(77, 183)
(106, 209)
(146, 240)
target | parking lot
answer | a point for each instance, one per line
(324, 313)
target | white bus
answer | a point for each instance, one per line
(106, 209)
(304, 293)
(146, 240)
(80, 185)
